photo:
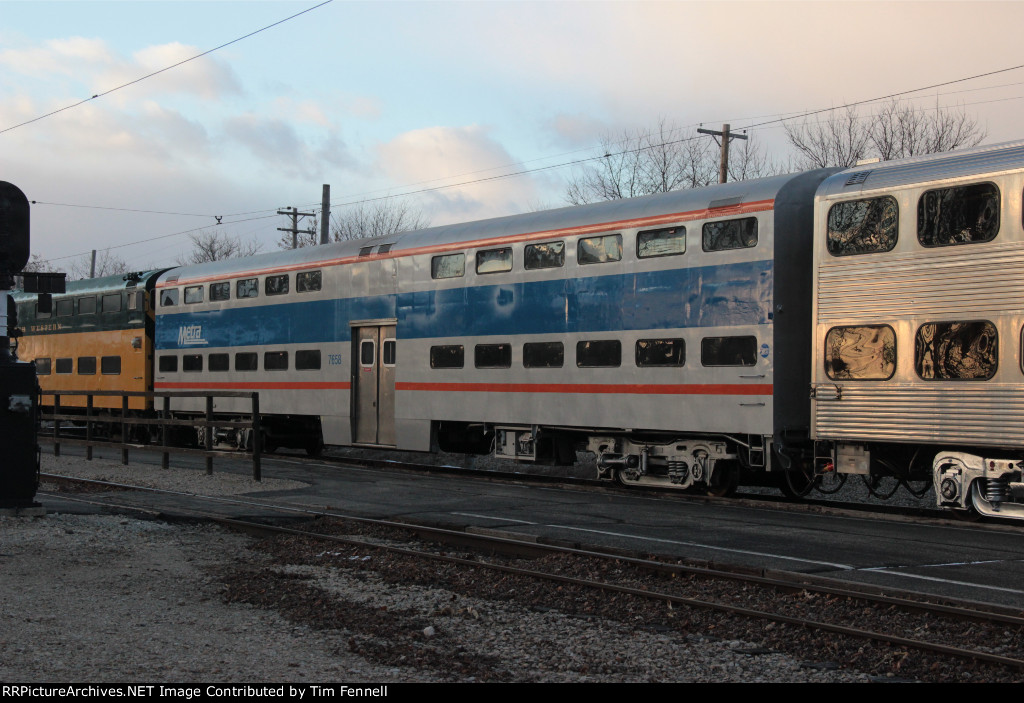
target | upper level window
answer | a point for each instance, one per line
(220, 291)
(276, 285)
(448, 266)
(66, 307)
(863, 226)
(958, 215)
(730, 234)
(669, 241)
(956, 351)
(599, 250)
(860, 352)
(193, 294)
(247, 288)
(660, 352)
(87, 305)
(168, 297)
(43, 314)
(544, 256)
(308, 281)
(601, 352)
(112, 302)
(494, 260)
(728, 351)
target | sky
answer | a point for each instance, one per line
(382, 99)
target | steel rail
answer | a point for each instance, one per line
(502, 544)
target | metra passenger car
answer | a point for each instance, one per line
(867, 321)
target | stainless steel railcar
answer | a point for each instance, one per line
(918, 319)
(670, 335)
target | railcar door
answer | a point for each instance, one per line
(373, 384)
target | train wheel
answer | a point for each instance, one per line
(725, 480)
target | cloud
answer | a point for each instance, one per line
(281, 147)
(436, 156)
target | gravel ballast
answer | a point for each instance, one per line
(115, 599)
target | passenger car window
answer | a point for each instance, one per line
(660, 352)
(448, 266)
(740, 233)
(956, 351)
(860, 352)
(193, 294)
(599, 353)
(448, 356)
(728, 351)
(168, 297)
(863, 226)
(669, 241)
(247, 288)
(544, 256)
(543, 355)
(599, 250)
(276, 285)
(494, 260)
(492, 356)
(958, 215)
(308, 281)
(220, 291)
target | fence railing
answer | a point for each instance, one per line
(163, 420)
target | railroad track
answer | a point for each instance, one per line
(836, 616)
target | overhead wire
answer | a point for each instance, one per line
(163, 70)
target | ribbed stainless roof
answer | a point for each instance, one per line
(922, 169)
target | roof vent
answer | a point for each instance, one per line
(858, 178)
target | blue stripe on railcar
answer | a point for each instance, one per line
(709, 296)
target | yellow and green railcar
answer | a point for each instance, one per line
(98, 336)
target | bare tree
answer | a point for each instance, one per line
(899, 130)
(645, 161)
(210, 245)
(364, 221)
(106, 265)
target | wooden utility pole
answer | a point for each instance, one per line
(325, 214)
(726, 135)
(294, 229)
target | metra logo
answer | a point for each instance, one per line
(190, 335)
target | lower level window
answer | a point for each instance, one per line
(448, 356)
(110, 365)
(86, 365)
(275, 361)
(956, 351)
(728, 351)
(599, 353)
(861, 352)
(192, 362)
